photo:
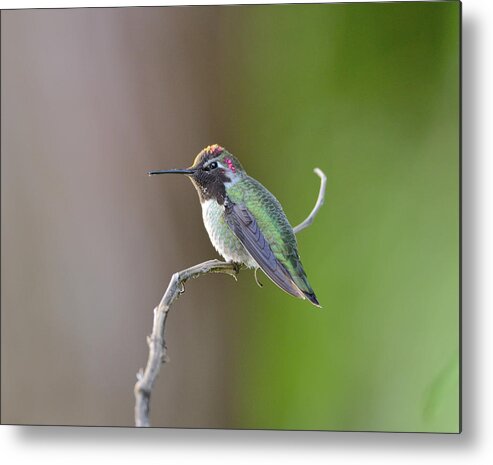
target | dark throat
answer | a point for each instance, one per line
(214, 189)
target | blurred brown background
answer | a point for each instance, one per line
(91, 100)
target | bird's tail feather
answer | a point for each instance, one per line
(312, 298)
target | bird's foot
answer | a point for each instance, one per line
(236, 269)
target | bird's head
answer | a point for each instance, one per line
(214, 170)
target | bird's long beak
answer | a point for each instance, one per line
(187, 171)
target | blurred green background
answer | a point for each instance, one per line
(92, 99)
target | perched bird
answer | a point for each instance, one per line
(245, 222)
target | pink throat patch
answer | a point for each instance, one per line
(230, 164)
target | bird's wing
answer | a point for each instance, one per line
(246, 229)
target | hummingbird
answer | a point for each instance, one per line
(245, 222)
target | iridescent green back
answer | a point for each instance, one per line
(273, 223)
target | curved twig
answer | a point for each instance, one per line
(320, 202)
(156, 342)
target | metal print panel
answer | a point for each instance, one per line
(324, 300)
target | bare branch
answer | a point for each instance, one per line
(320, 202)
(156, 341)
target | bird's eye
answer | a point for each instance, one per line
(213, 165)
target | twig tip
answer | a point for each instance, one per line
(320, 173)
